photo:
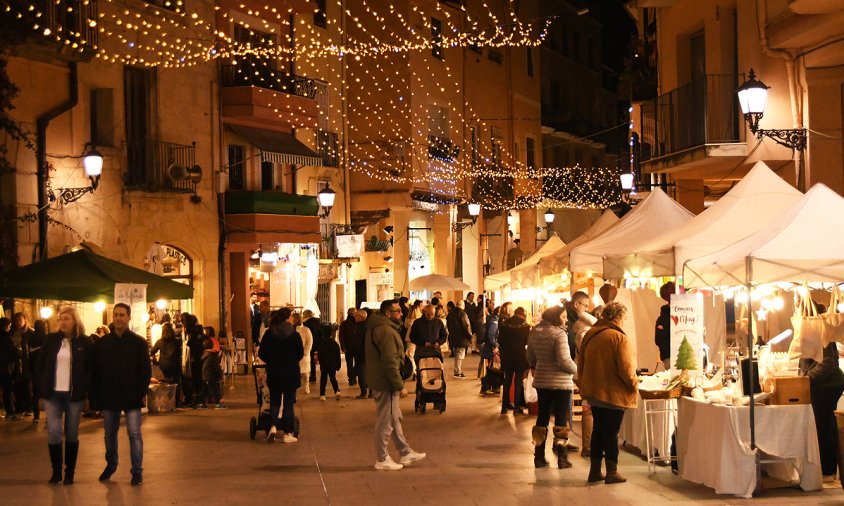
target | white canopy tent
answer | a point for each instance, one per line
(758, 199)
(500, 279)
(803, 244)
(435, 282)
(658, 212)
(559, 261)
(524, 275)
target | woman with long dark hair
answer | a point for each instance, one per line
(66, 366)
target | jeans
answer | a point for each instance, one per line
(388, 424)
(60, 406)
(325, 375)
(553, 402)
(287, 397)
(607, 423)
(8, 397)
(824, 401)
(511, 377)
(111, 424)
(459, 355)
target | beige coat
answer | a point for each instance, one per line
(605, 366)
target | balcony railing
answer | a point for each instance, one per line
(442, 149)
(270, 202)
(72, 20)
(271, 79)
(704, 111)
(149, 161)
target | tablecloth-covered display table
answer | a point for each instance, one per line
(713, 446)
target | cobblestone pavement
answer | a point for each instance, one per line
(475, 456)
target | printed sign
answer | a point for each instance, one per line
(136, 297)
(349, 246)
(687, 323)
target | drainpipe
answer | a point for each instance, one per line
(795, 89)
(221, 203)
(42, 171)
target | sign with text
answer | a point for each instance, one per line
(349, 246)
(687, 322)
(136, 297)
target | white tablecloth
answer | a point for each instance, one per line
(633, 429)
(713, 445)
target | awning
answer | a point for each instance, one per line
(278, 147)
(83, 276)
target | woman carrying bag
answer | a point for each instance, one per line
(66, 368)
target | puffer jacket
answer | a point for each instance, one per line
(490, 337)
(548, 353)
(584, 322)
(282, 349)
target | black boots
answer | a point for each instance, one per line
(539, 435)
(56, 462)
(612, 473)
(561, 438)
(71, 450)
(595, 470)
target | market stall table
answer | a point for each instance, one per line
(713, 446)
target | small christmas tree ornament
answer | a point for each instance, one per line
(685, 358)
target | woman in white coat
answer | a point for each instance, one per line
(308, 343)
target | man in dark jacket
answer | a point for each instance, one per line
(282, 349)
(347, 335)
(428, 334)
(459, 336)
(121, 380)
(9, 367)
(662, 328)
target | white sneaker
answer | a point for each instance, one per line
(339, 396)
(289, 438)
(271, 434)
(388, 464)
(411, 457)
(322, 397)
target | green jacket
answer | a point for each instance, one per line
(384, 354)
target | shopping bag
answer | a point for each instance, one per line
(530, 392)
(833, 320)
(495, 363)
(808, 329)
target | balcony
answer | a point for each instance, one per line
(696, 125)
(328, 148)
(441, 148)
(268, 98)
(264, 217)
(148, 163)
(493, 192)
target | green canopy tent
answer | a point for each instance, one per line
(83, 276)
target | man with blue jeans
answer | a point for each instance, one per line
(121, 379)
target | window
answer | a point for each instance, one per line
(236, 167)
(102, 117)
(530, 61)
(437, 38)
(530, 153)
(328, 148)
(495, 159)
(137, 88)
(495, 55)
(319, 16)
(267, 170)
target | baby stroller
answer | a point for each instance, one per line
(430, 382)
(263, 421)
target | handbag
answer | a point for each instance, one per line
(833, 319)
(495, 363)
(531, 394)
(808, 329)
(406, 368)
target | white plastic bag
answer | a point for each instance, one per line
(530, 392)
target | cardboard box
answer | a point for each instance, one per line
(793, 390)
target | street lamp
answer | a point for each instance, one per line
(626, 181)
(92, 160)
(474, 212)
(753, 96)
(326, 200)
(549, 217)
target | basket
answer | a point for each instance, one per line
(687, 390)
(661, 394)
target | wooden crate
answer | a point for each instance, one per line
(790, 390)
